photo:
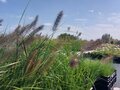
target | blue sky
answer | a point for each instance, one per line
(91, 17)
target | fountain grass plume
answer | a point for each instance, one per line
(1, 20)
(27, 28)
(57, 21)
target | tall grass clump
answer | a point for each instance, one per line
(41, 65)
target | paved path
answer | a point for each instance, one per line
(117, 84)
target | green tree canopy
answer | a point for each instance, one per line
(66, 36)
(106, 38)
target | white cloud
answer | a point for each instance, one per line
(13, 27)
(99, 13)
(81, 19)
(48, 24)
(97, 30)
(65, 15)
(14, 16)
(114, 18)
(19, 16)
(91, 11)
(109, 24)
(30, 17)
(95, 12)
(104, 25)
(3, 1)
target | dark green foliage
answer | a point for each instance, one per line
(66, 36)
(106, 38)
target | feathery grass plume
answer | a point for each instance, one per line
(27, 28)
(15, 34)
(17, 41)
(68, 29)
(17, 29)
(54, 28)
(79, 34)
(31, 61)
(9, 38)
(57, 21)
(30, 36)
(74, 61)
(20, 30)
(36, 30)
(1, 20)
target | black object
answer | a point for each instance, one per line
(116, 59)
(105, 83)
(95, 55)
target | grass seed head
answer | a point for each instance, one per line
(57, 21)
(74, 62)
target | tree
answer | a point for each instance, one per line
(106, 38)
(66, 36)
